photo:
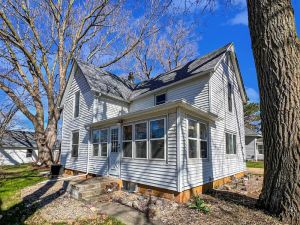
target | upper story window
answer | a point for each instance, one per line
(76, 107)
(157, 139)
(75, 144)
(229, 97)
(230, 143)
(160, 99)
(197, 139)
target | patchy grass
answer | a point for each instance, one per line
(253, 164)
(13, 179)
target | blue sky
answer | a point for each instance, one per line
(215, 29)
(230, 24)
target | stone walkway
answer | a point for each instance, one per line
(125, 214)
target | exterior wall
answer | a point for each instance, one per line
(106, 108)
(251, 148)
(16, 156)
(77, 124)
(194, 92)
(196, 172)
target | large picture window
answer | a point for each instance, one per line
(127, 141)
(157, 139)
(75, 144)
(230, 143)
(141, 140)
(197, 139)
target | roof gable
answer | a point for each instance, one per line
(114, 86)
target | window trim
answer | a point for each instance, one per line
(164, 138)
(191, 138)
(99, 143)
(260, 144)
(231, 134)
(147, 140)
(132, 136)
(155, 100)
(74, 108)
(31, 153)
(198, 139)
(75, 131)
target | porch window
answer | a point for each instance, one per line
(96, 139)
(141, 140)
(103, 142)
(192, 138)
(230, 143)
(157, 139)
(75, 144)
(197, 139)
(203, 140)
(127, 141)
(99, 139)
(76, 107)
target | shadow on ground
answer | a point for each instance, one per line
(30, 204)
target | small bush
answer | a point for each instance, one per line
(199, 205)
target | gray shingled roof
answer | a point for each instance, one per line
(18, 139)
(110, 84)
(251, 132)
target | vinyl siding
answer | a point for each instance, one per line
(16, 156)
(70, 124)
(157, 173)
(219, 164)
(194, 92)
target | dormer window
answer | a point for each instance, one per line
(160, 99)
(76, 107)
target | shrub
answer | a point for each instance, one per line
(199, 204)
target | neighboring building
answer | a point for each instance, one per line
(175, 134)
(18, 147)
(254, 145)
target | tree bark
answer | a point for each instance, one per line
(276, 50)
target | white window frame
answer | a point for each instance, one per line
(260, 144)
(132, 137)
(195, 139)
(74, 108)
(95, 143)
(75, 131)
(146, 140)
(100, 142)
(198, 139)
(29, 153)
(153, 139)
(231, 134)
(155, 96)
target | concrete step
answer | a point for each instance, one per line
(91, 192)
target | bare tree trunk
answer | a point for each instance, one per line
(276, 50)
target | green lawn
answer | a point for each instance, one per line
(253, 164)
(12, 180)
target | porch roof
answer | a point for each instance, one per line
(157, 109)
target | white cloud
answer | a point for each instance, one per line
(240, 18)
(252, 94)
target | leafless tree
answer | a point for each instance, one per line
(169, 47)
(7, 113)
(39, 39)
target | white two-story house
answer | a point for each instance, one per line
(174, 135)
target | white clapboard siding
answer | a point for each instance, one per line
(155, 173)
(70, 123)
(10, 156)
(194, 92)
(106, 108)
(219, 164)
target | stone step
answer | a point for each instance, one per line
(91, 193)
(81, 187)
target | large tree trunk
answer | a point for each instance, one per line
(276, 50)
